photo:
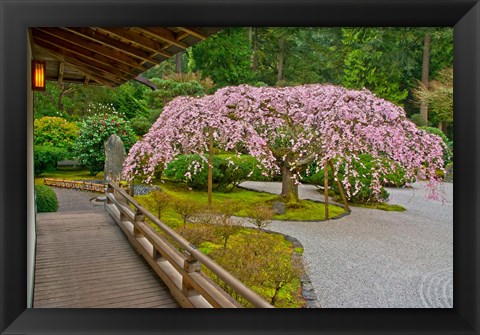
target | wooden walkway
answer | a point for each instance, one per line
(83, 259)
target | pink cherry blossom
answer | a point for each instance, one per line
(293, 126)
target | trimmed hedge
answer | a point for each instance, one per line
(228, 171)
(46, 199)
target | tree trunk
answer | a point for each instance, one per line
(289, 188)
(178, 62)
(253, 47)
(425, 72)
(281, 55)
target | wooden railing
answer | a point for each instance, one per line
(181, 271)
(74, 184)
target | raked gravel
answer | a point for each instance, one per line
(377, 259)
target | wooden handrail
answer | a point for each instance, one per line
(195, 289)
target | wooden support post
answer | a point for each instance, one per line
(325, 184)
(190, 264)
(139, 217)
(210, 168)
(340, 189)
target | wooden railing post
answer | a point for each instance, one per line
(191, 264)
(139, 217)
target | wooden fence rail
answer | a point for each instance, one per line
(181, 271)
(74, 184)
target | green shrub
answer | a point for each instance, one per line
(417, 119)
(228, 171)
(46, 158)
(182, 170)
(140, 125)
(46, 199)
(365, 193)
(55, 132)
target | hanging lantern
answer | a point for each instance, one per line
(38, 75)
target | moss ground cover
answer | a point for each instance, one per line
(245, 199)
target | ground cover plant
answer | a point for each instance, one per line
(268, 265)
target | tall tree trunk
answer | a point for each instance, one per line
(425, 72)
(281, 56)
(289, 188)
(253, 46)
(178, 62)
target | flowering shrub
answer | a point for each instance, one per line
(287, 128)
(94, 132)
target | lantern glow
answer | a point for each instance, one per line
(38, 75)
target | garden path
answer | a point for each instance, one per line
(377, 259)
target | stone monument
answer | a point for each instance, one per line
(114, 158)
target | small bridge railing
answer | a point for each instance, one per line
(180, 271)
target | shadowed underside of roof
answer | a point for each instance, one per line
(109, 56)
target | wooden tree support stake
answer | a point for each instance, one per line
(210, 168)
(342, 194)
(325, 181)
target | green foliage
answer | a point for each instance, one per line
(55, 132)
(224, 57)
(185, 208)
(388, 61)
(94, 132)
(417, 119)
(183, 169)
(369, 50)
(264, 263)
(158, 200)
(438, 96)
(170, 88)
(45, 158)
(228, 171)
(140, 125)
(364, 169)
(128, 100)
(46, 199)
(260, 216)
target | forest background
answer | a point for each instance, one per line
(391, 62)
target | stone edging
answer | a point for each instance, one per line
(308, 291)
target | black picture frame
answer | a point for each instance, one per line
(16, 16)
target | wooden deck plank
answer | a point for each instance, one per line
(84, 260)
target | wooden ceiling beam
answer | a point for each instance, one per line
(163, 35)
(126, 48)
(87, 68)
(138, 39)
(109, 65)
(193, 32)
(94, 47)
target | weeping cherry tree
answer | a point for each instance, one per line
(288, 128)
